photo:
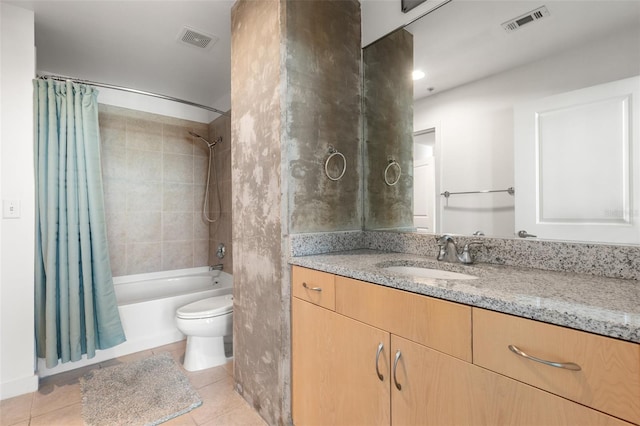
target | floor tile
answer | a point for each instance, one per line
(243, 415)
(50, 397)
(16, 410)
(217, 399)
(202, 378)
(183, 420)
(23, 423)
(67, 416)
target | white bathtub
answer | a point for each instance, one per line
(147, 304)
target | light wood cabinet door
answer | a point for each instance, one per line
(334, 379)
(437, 389)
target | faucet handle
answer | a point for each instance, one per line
(465, 257)
(472, 243)
(444, 239)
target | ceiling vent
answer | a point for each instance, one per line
(198, 39)
(516, 23)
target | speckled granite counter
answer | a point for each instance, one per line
(606, 306)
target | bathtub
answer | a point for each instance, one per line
(147, 304)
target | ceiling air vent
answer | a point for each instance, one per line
(522, 20)
(195, 38)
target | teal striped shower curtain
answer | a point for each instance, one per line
(75, 304)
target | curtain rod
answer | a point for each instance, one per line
(128, 89)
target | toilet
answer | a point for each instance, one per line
(205, 323)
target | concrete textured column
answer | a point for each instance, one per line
(295, 90)
(388, 131)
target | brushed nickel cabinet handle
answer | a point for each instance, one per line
(311, 288)
(395, 369)
(378, 352)
(566, 365)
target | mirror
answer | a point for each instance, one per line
(488, 65)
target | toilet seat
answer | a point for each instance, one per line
(207, 308)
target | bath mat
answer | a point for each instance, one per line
(146, 392)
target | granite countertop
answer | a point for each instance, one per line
(605, 306)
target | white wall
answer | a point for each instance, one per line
(17, 183)
(475, 125)
(380, 17)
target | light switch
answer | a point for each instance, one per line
(10, 209)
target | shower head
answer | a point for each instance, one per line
(209, 144)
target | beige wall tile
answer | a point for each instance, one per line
(118, 258)
(115, 194)
(144, 165)
(176, 139)
(144, 227)
(177, 226)
(144, 134)
(177, 255)
(112, 131)
(177, 197)
(116, 225)
(201, 253)
(178, 168)
(200, 227)
(144, 196)
(200, 166)
(144, 257)
(154, 181)
(114, 163)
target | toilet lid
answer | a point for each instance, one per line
(205, 308)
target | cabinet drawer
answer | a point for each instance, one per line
(441, 325)
(314, 286)
(609, 375)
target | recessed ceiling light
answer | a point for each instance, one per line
(417, 74)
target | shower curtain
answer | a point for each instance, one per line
(75, 304)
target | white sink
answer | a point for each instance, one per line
(437, 274)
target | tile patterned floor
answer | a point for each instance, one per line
(58, 399)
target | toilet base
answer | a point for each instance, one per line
(204, 352)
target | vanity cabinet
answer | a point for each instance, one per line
(382, 356)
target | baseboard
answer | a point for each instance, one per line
(18, 387)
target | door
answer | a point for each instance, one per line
(595, 130)
(424, 180)
(334, 377)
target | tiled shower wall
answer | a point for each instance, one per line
(154, 180)
(220, 230)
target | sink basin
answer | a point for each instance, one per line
(437, 274)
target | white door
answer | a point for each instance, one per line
(594, 133)
(424, 180)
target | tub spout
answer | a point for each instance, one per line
(217, 267)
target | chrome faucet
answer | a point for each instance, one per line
(217, 267)
(448, 250)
